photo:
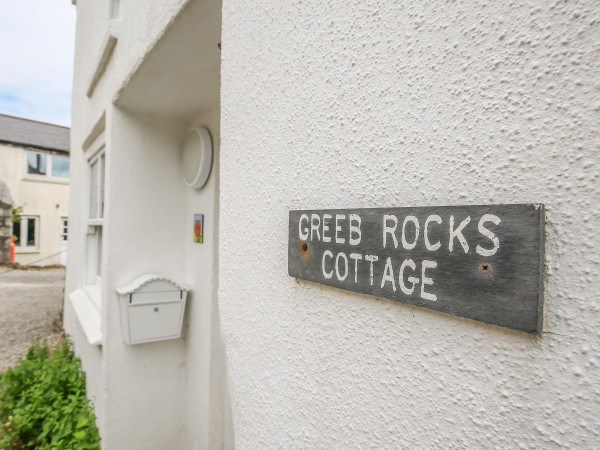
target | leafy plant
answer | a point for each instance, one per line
(43, 403)
(16, 213)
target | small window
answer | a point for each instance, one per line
(95, 217)
(47, 165)
(17, 233)
(97, 187)
(60, 166)
(26, 232)
(36, 163)
(64, 229)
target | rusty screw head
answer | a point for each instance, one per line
(304, 247)
(485, 268)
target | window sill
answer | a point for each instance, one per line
(86, 303)
(53, 180)
(26, 250)
(94, 294)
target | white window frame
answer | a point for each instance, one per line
(87, 299)
(48, 175)
(114, 12)
(95, 217)
(19, 245)
(64, 229)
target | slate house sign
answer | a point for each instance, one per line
(481, 262)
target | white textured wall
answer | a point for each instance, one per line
(92, 23)
(170, 394)
(408, 103)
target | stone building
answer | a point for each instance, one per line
(327, 106)
(5, 222)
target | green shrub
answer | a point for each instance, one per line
(43, 403)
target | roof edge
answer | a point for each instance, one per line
(36, 121)
(66, 151)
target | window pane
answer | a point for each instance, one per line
(17, 232)
(114, 9)
(64, 233)
(36, 163)
(60, 166)
(31, 232)
(99, 252)
(94, 191)
(101, 193)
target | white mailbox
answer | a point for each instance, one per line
(152, 309)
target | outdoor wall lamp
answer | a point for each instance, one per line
(196, 157)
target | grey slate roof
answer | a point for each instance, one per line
(15, 130)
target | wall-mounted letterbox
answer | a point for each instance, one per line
(152, 309)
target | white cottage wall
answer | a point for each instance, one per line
(84, 115)
(142, 25)
(167, 394)
(145, 384)
(205, 349)
(134, 41)
(348, 104)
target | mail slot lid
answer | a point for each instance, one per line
(155, 322)
(159, 296)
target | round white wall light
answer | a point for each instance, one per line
(196, 157)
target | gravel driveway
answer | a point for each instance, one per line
(30, 308)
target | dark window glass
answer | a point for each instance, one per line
(31, 232)
(36, 163)
(64, 234)
(17, 232)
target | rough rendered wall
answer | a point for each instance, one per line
(5, 231)
(409, 103)
(168, 394)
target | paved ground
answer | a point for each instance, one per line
(30, 308)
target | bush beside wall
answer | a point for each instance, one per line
(43, 404)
